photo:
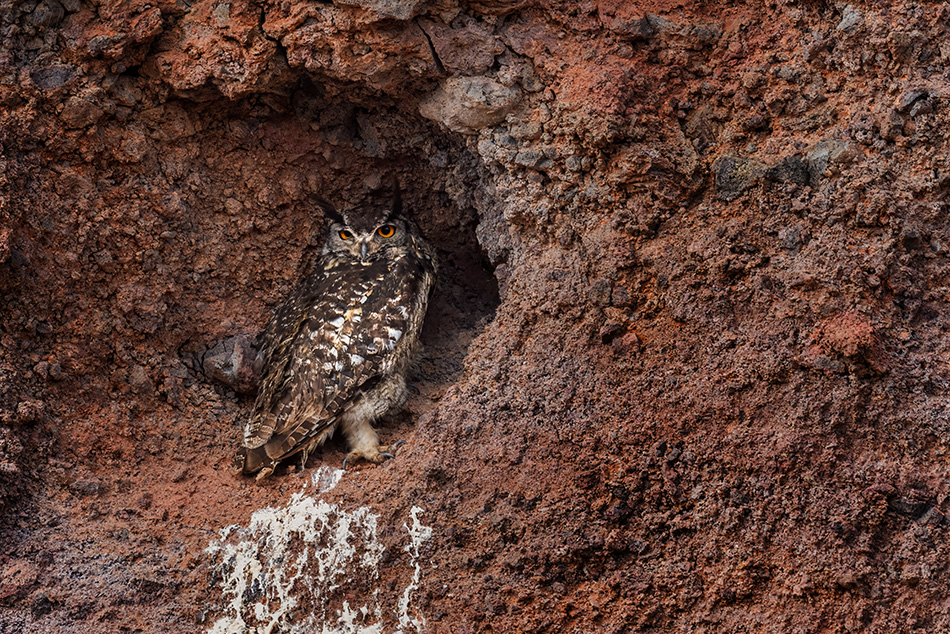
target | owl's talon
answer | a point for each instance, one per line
(376, 455)
(393, 446)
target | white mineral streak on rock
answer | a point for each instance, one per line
(286, 570)
(418, 535)
(325, 478)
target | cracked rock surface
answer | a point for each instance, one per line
(686, 368)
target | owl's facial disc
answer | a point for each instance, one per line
(367, 243)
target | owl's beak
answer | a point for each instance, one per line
(364, 248)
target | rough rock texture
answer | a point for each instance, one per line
(686, 369)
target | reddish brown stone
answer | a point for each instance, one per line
(686, 368)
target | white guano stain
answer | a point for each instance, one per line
(418, 535)
(289, 570)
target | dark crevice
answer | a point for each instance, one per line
(435, 55)
(281, 49)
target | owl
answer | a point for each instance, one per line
(336, 352)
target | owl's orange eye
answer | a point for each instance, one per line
(386, 231)
(346, 235)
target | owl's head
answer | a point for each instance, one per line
(366, 235)
(365, 244)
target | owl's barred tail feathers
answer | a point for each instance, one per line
(250, 461)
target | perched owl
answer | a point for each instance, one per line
(337, 351)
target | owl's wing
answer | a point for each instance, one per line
(343, 343)
(274, 345)
(287, 318)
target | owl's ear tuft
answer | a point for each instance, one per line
(329, 211)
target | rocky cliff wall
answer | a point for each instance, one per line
(687, 365)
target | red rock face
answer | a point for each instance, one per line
(686, 368)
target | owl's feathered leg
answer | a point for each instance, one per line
(364, 442)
